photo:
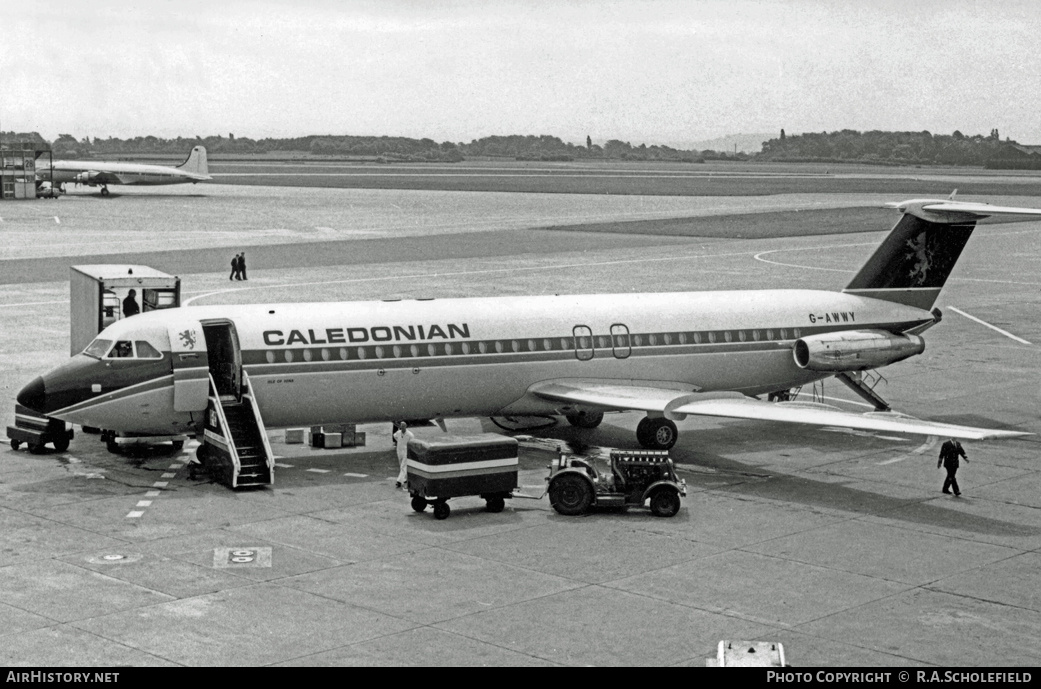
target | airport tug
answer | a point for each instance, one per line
(634, 476)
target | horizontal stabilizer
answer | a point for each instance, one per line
(956, 212)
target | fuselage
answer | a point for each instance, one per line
(373, 361)
(98, 172)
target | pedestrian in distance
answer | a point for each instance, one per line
(949, 453)
(401, 438)
(234, 268)
(130, 307)
(242, 266)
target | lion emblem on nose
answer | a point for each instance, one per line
(188, 338)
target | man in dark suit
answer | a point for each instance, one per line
(130, 307)
(949, 453)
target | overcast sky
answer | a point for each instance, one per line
(655, 71)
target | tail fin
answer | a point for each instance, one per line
(196, 162)
(913, 263)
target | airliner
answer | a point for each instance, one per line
(96, 173)
(666, 355)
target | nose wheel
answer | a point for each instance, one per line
(656, 434)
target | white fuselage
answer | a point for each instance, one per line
(98, 172)
(375, 361)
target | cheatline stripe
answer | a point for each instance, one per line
(120, 394)
(463, 472)
(445, 468)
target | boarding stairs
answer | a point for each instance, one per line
(237, 453)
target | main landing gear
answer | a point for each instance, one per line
(656, 433)
(585, 419)
(104, 190)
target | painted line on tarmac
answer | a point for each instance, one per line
(356, 475)
(992, 327)
(929, 444)
(34, 303)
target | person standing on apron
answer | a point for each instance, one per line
(401, 437)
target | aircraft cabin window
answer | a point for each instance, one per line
(146, 351)
(464, 347)
(683, 338)
(797, 333)
(122, 350)
(498, 346)
(667, 338)
(397, 351)
(98, 348)
(532, 347)
(343, 353)
(482, 347)
(307, 355)
(431, 350)
(547, 344)
(326, 354)
(755, 335)
(448, 348)
(697, 338)
(515, 345)
(603, 342)
(637, 340)
(769, 334)
(288, 355)
(379, 352)
(270, 356)
(784, 334)
(728, 336)
(711, 337)
(414, 349)
(361, 352)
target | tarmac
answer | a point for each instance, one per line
(837, 544)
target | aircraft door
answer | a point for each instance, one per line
(620, 344)
(583, 342)
(225, 357)
(191, 373)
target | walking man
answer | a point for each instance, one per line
(401, 437)
(949, 453)
(234, 268)
(242, 266)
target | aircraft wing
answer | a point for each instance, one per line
(676, 402)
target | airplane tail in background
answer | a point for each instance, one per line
(196, 162)
(913, 263)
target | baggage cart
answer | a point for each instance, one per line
(451, 466)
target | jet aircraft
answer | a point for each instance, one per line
(96, 173)
(666, 355)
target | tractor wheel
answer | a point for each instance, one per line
(441, 510)
(37, 448)
(419, 503)
(665, 502)
(62, 443)
(570, 494)
(495, 504)
(15, 444)
(658, 434)
(590, 419)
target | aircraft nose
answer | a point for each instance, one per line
(34, 396)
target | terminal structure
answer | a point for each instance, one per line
(18, 166)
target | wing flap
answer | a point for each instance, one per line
(826, 415)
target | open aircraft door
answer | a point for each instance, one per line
(191, 371)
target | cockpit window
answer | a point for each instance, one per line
(98, 348)
(122, 350)
(146, 351)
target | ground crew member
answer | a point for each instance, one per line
(130, 307)
(949, 453)
(401, 437)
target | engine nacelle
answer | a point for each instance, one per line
(86, 177)
(854, 350)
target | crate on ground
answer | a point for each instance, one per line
(331, 441)
(294, 436)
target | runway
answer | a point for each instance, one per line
(837, 544)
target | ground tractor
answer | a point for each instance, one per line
(633, 477)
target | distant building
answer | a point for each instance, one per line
(18, 165)
(1013, 156)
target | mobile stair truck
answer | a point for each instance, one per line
(96, 296)
(450, 466)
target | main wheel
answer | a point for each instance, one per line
(62, 443)
(586, 419)
(665, 502)
(570, 494)
(419, 503)
(441, 510)
(658, 434)
(495, 504)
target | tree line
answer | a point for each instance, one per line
(847, 145)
